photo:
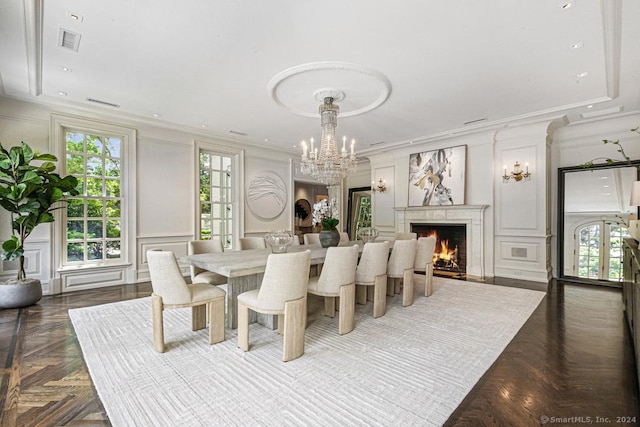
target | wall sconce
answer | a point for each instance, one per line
(517, 174)
(380, 187)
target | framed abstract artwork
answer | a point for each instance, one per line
(437, 177)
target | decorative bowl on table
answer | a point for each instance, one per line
(278, 240)
(367, 234)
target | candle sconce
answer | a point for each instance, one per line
(517, 174)
(380, 187)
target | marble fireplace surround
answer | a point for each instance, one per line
(470, 215)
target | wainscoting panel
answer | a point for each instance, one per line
(176, 244)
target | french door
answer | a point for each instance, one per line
(598, 252)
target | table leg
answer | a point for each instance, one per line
(238, 285)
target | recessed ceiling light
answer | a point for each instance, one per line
(605, 186)
(582, 74)
(590, 106)
(66, 69)
(607, 194)
(61, 93)
(577, 45)
(156, 115)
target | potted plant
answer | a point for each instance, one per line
(323, 214)
(30, 192)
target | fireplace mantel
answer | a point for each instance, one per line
(471, 215)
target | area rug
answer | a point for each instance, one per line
(412, 366)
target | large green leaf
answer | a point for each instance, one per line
(27, 152)
(47, 157)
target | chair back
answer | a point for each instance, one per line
(403, 256)
(373, 262)
(344, 237)
(166, 278)
(424, 253)
(286, 278)
(311, 239)
(296, 240)
(406, 236)
(339, 268)
(202, 247)
(252, 243)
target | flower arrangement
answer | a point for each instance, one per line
(323, 214)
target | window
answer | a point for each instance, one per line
(216, 197)
(599, 254)
(94, 220)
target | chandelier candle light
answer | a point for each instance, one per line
(326, 165)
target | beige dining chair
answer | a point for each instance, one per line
(283, 292)
(400, 270)
(424, 262)
(171, 291)
(252, 243)
(337, 280)
(344, 237)
(372, 272)
(312, 239)
(406, 236)
(199, 275)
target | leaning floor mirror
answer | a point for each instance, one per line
(594, 210)
(358, 210)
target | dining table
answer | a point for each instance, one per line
(244, 271)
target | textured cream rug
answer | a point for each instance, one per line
(412, 366)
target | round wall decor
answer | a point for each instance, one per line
(267, 195)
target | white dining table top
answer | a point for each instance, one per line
(252, 261)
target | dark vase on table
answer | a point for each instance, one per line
(329, 238)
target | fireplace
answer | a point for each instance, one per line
(450, 255)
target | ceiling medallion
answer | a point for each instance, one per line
(358, 89)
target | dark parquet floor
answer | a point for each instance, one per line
(572, 362)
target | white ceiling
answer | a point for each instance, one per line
(410, 70)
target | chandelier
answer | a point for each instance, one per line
(327, 165)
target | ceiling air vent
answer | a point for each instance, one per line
(472, 122)
(108, 104)
(68, 39)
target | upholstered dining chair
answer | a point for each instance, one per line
(372, 271)
(199, 275)
(312, 239)
(252, 243)
(406, 236)
(424, 262)
(338, 280)
(283, 292)
(400, 268)
(171, 291)
(344, 237)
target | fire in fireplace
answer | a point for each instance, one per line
(449, 257)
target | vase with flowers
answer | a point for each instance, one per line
(323, 213)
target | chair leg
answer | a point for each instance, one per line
(346, 321)
(280, 324)
(243, 326)
(396, 281)
(428, 284)
(294, 326)
(198, 317)
(330, 306)
(158, 324)
(390, 286)
(361, 294)
(370, 293)
(379, 296)
(407, 292)
(216, 320)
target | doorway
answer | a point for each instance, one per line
(599, 250)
